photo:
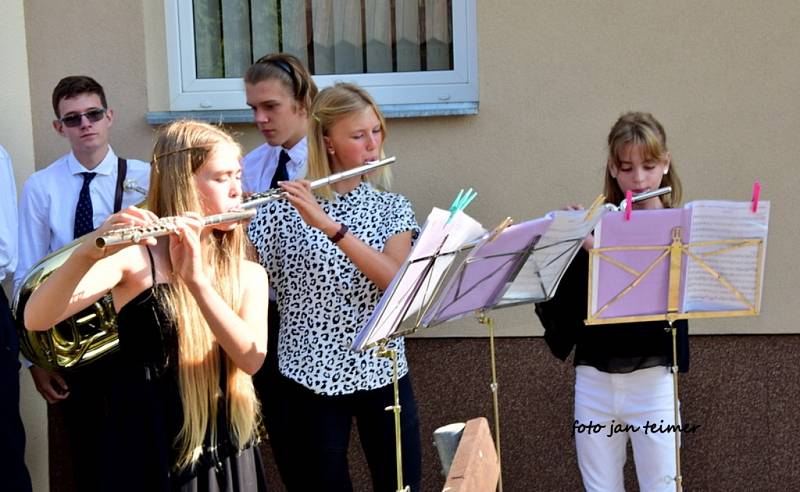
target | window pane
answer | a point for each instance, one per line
(407, 21)
(208, 39)
(438, 35)
(323, 54)
(379, 35)
(266, 35)
(236, 37)
(293, 28)
(329, 36)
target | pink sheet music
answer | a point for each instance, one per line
(724, 245)
(486, 272)
(646, 228)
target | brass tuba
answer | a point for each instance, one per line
(74, 342)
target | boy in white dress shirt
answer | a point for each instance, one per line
(280, 90)
(69, 198)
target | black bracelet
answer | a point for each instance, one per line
(339, 234)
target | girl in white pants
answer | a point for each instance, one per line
(623, 385)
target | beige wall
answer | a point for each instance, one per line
(15, 126)
(102, 39)
(554, 75)
(721, 75)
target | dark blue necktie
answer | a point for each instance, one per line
(84, 212)
(280, 171)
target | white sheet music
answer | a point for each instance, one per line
(540, 275)
(414, 284)
(713, 220)
(437, 232)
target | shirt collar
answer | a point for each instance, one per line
(362, 189)
(298, 153)
(106, 167)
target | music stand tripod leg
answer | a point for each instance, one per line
(486, 320)
(392, 354)
(676, 407)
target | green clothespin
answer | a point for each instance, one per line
(461, 202)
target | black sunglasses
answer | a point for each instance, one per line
(93, 115)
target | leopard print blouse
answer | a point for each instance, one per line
(323, 299)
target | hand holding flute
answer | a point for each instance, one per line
(162, 227)
(143, 225)
(257, 199)
(108, 238)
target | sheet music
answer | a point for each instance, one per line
(646, 228)
(483, 272)
(552, 255)
(447, 238)
(414, 284)
(716, 220)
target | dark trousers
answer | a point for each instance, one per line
(321, 429)
(91, 424)
(13, 473)
(269, 382)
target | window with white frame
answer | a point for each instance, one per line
(420, 55)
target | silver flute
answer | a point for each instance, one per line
(257, 199)
(639, 198)
(164, 226)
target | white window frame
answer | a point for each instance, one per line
(428, 92)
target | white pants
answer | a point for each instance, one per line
(612, 408)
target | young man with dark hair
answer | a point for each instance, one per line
(69, 198)
(280, 90)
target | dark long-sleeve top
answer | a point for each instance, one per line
(613, 348)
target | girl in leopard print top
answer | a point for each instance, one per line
(330, 254)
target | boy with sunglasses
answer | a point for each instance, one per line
(69, 198)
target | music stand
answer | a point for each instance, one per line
(411, 289)
(515, 264)
(644, 270)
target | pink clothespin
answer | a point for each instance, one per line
(756, 195)
(628, 204)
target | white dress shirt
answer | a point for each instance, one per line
(8, 217)
(259, 165)
(50, 196)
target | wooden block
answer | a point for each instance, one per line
(475, 466)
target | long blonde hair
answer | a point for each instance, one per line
(330, 105)
(181, 149)
(644, 131)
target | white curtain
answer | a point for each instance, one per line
(329, 36)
